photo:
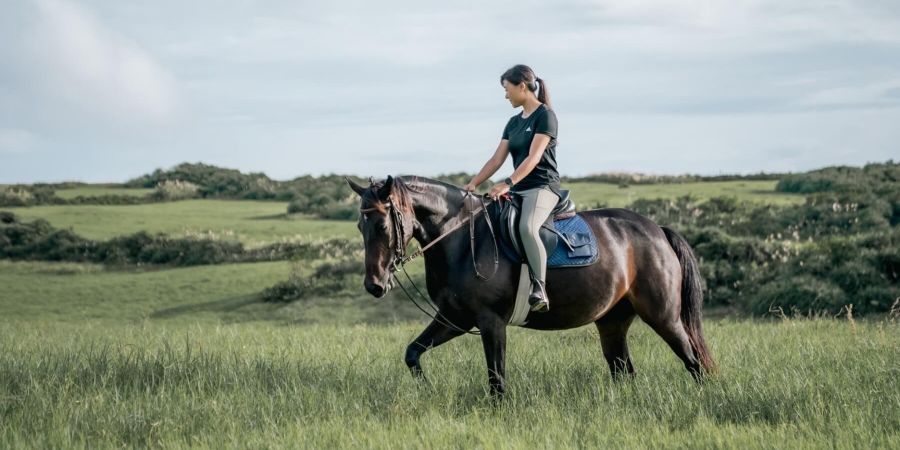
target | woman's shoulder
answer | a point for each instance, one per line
(545, 110)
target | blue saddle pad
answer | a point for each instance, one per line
(584, 249)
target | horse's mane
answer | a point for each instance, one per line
(428, 181)
(404, 184)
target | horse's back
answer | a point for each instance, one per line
(635, 245)
(622, 223)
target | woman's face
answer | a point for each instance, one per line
(515, 93)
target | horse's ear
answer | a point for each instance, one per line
(384, 192)
(356, 188)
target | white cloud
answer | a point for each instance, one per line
(96, 69)
(275, 85)
(13, 140)
(875, 94)
(702, 27)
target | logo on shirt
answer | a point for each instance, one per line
(528, 129)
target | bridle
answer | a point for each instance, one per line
(399, 259)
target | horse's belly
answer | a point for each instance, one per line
(562, 317)
(578, 296)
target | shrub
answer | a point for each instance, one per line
(799, 294)
(12, 196)
(340, 212)
(175, 190)
(38, 240)
(24, 195)
(332, 279)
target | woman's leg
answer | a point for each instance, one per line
(536, 207)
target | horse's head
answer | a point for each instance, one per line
(386, 222)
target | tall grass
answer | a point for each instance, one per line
(790, 384)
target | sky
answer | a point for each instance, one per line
(100, 91)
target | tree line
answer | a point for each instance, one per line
(840, 247)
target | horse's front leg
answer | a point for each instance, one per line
(434, 334)
(493, 337)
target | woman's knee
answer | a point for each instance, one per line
(528, 228)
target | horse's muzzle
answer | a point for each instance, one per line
(379, 289)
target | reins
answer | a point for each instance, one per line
(399, 260)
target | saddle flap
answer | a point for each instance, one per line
(579, 245)
(577, 239)
(568, 239)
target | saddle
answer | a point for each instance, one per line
(567, 238)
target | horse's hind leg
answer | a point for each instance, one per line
(613, 328)
(434, 334)
(675, 335)
(660, 308)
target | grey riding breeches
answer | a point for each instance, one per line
(537, 204)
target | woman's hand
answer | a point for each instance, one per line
(469, 187)
(498, 190)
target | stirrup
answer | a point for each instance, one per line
(539, 303)
(541, 306)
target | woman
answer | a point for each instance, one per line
(531, 139)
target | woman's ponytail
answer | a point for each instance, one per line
(543, 96)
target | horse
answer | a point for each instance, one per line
(645, 270)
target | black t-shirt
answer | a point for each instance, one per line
(520, 132)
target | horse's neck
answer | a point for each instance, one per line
(437, 211)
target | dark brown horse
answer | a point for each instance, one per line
(644, 270)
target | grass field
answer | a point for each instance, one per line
(74, 292)
(99, 190)
(586, 195)
(252, 222)
(96, 358)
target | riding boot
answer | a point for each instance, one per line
(538, 298)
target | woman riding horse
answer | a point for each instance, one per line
(644, 270)
(530, 137)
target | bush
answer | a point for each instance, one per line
(45, 194)
(24, 195)
(38, 240)
(843, 241)
(12, 196)
(332, 279)
(800, 294)
(175, 190)
(340, 212)
(842, 179)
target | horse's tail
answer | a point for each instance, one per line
(691, 298)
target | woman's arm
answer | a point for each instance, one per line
(491, 166)
(538, 144)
